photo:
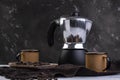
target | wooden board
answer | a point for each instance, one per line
(37, 66)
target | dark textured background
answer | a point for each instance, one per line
(24, 25)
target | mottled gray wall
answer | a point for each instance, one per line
(24, 25)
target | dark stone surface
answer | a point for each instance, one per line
(24, 24)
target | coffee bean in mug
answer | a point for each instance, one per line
(28, 55)
(97, 61)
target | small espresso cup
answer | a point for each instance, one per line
(97, 61)
(28, 55)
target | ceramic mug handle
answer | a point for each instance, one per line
(108, 63)
(18, 56)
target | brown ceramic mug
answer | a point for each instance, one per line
(28, 56)
(97, 61)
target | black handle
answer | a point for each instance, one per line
(108, 64)
(18, 57)
(51, 30)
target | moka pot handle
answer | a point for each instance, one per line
(51, 30)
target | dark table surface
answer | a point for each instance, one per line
(104, 77)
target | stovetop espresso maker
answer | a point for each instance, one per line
(75, 29)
